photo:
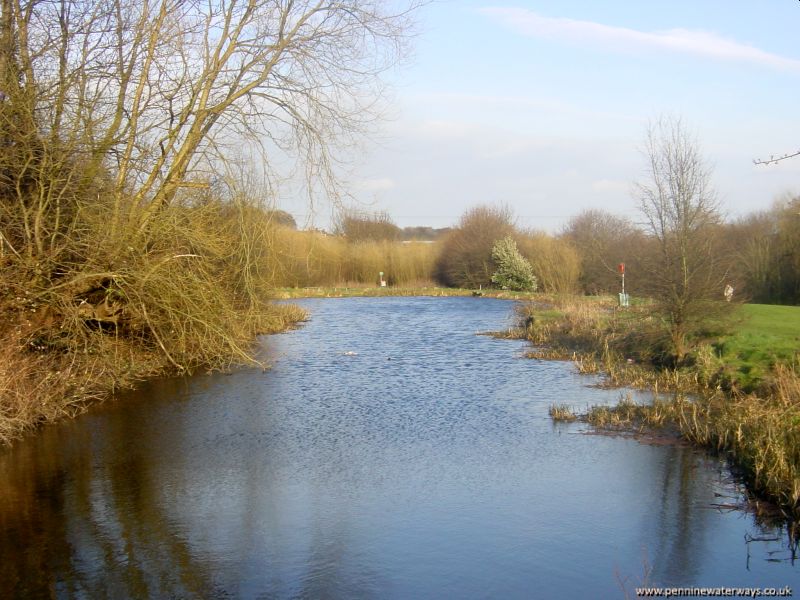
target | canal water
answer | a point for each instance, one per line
(390, 452)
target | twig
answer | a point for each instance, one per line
(5, 239)
(773, 160)
(165, 261)
(158, 339)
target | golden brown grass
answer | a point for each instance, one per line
(37, 387)
(759, 432)
(300, 259)
(189, 291)
(555, 261)
(562, 412)
(629, 415)
(760, 435)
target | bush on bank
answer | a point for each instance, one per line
(102, 311)
(758, 430)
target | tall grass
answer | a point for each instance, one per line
(191, 289)
(556, 263)
(562, 412)
(760, 431)
(310, 258)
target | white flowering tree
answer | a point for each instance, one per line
(513, 272)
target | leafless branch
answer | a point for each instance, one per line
(772, 160)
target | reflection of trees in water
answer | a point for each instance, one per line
(330, 549)
(686, 513)
(84, 511)
(33, 536)
(280, 517)
(773, 528)
(72, 525)
(682, 521)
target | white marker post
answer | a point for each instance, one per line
(623, 297)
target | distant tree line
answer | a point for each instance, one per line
(683, 256)
(362, 226)
(466, 257)
(760, 252)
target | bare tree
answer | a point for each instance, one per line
(785, 273)
(466, 257)
(361, 226)
(119, 124)
(154, 92)
(603, 241)
(686, 274)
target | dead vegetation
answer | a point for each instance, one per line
(562, 412)
(759, 432)
(131, 241)
(87, 318)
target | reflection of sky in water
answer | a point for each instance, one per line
(421, 463)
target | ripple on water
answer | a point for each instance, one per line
(391, 452)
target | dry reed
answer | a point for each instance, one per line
(562, 412)
(760, 433)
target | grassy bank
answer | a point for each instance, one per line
(745, 381)
(423, 289)
(765, 336)
(740, 356)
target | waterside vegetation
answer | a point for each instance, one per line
(737, 392)
(134, 241)
(141, 146)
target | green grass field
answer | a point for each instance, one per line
(764, 335)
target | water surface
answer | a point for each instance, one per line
(390, 452)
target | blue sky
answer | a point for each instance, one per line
(543, 106)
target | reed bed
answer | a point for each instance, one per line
(629, 415)
(759, 431)
(759, 434)
(302, 259)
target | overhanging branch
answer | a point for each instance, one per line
(775, 159)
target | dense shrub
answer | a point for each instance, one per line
(466, 255)
(365, 227)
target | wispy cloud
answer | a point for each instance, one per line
(698, 43)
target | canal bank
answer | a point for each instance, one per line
(390, 452)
